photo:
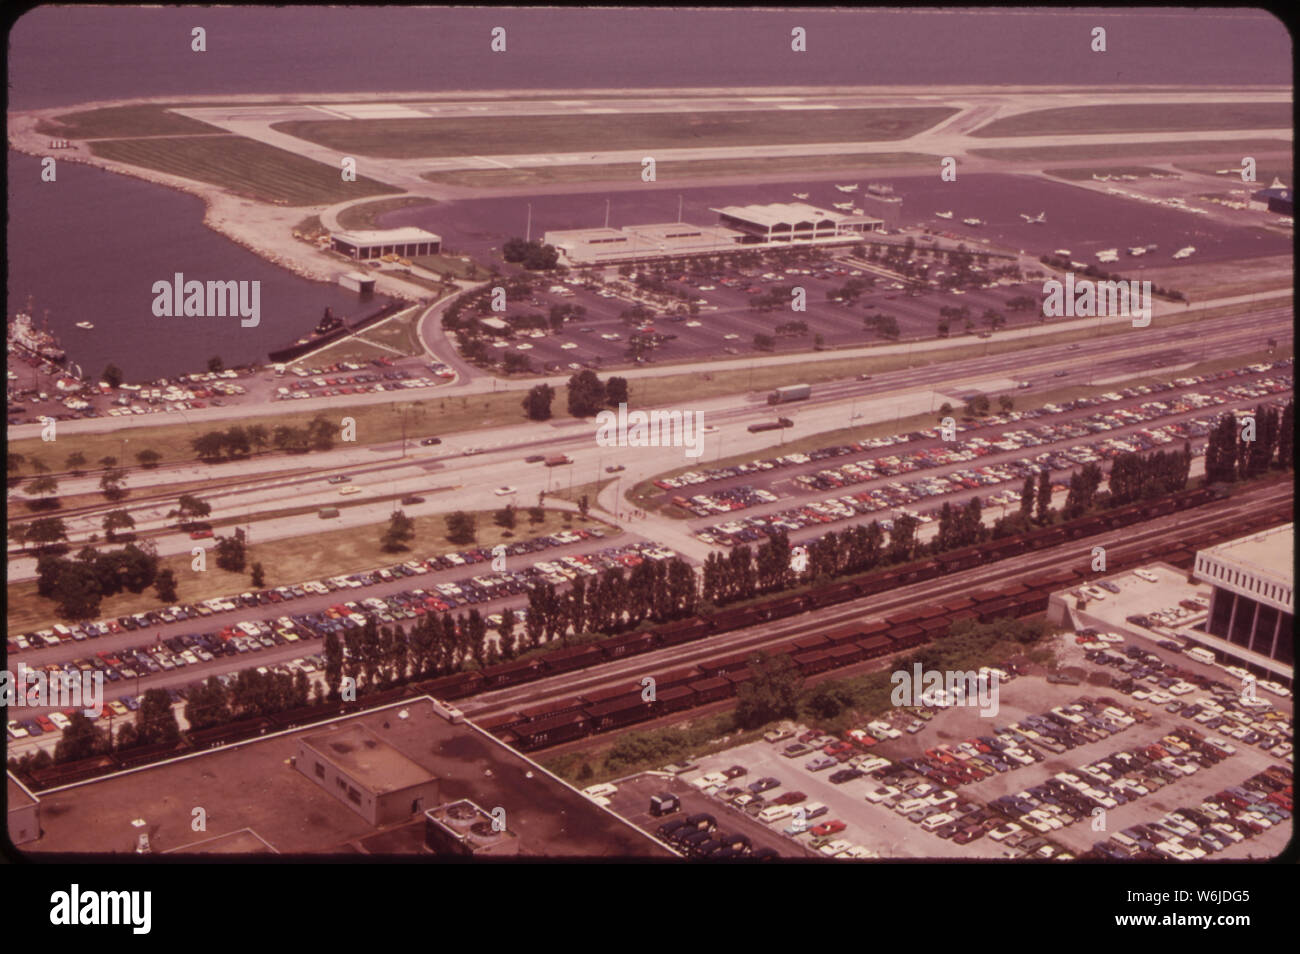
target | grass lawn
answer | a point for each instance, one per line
(1265, 170)
(139, 492)
(398, 333)
(120, 121)
(377, 423)
(366, 215)
(244, 166)
(670, 169)
(349, 349)
(1119, 150)
(452, 265)
(493, 135)
(1141, 117)
(1087, 172)
(649, 497)
(293, 560)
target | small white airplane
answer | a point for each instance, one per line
(848, 188)
(843, 206)
(1038, 219)
(800, 195)
(943, 215)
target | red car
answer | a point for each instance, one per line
(46, 724)
(838, 748)
(829, 828)
(200, 534)
(789, 798)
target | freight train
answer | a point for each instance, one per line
(680, 688)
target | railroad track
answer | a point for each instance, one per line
(1122, 546)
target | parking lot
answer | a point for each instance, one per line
(276, 628)
(677, 313)
(1131, 425)
(1026, 782)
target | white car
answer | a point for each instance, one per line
(16, 730)
(1146, 575)
(837, 847)
(603, 790)
(60, 720)
(878, 795)
(504, 491)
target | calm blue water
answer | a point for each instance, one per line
(89, 247)
(63, 56)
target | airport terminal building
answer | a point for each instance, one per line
(1252, 605)
(376, 243)
(794, 222)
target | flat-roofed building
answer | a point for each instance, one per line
(639, 242)
(376, 243)
(265, 796)
(1253, 599)
(367, 774)
(24, 812)
(794, 222)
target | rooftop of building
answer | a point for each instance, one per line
(367, 759)
(407, 233)
(1270, 553)
(253, 788)
(17, 794)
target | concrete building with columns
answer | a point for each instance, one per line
(1252, 606)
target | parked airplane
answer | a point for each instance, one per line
(848, 188)
(1038, 219)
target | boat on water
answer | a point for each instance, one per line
(1137, 250)
(1063, 252)
(943, 215)
(85, 324)
(1108, 255)
(1186, 252)
(800, 195)
(973, 223)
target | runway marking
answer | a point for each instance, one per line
(492, 161)
(809, 106)
(600, 110)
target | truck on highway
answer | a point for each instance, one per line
(791, 392)
(557, 460)
(776, 425)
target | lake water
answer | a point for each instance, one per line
(91, 246)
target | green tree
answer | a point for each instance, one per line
(77, 591)
(80, 740)
(586, 394)
(116, 520)
(111, 483)
(461, 527)
(165, 585)
(257, 576)
(505, 517)
(231, 552)
(1044, 509)
(148, 458)
(156, 720)
(215, 364)
(772, 693)
(537, 404)
(46, 531)
(75, 461)
(112, 376)
(188, 508)
(400, 532)
(616, 391)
